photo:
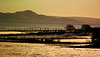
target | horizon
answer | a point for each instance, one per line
(62, 8)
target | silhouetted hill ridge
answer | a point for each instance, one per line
(30, 16)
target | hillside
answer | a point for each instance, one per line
(29, 18)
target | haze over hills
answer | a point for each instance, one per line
(29, 18)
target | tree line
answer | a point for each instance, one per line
(84, 27)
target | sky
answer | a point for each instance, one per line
(64, 8)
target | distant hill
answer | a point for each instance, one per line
(28, 16)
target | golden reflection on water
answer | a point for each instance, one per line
(11, 32)
(75, 40)
(41, 50)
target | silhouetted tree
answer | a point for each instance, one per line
(86, 27)
(70, 27)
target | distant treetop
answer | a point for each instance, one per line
(85, 26)
(70, 27)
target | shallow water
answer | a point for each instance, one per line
(11, 32)
(41, 50)
(75, 40)
(38, 25)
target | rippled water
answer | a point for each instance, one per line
(42, 50)
(36, 25)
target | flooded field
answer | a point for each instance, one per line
(8, 49)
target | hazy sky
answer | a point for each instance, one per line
(81, 8)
